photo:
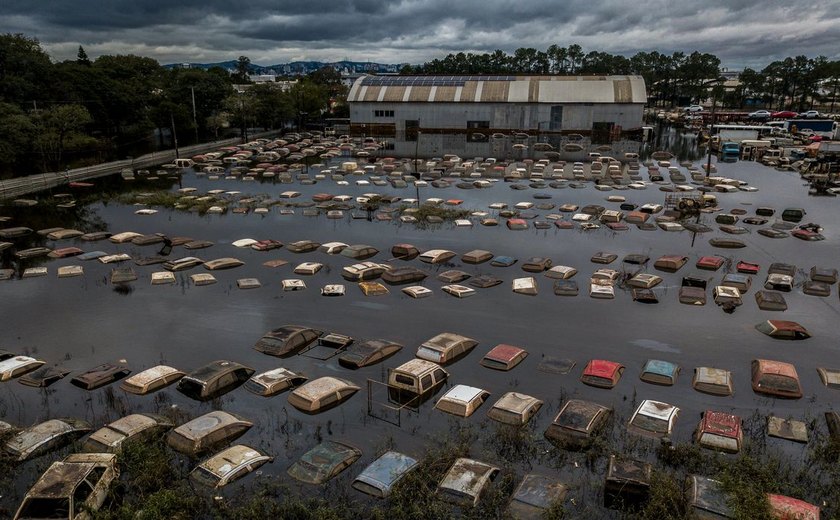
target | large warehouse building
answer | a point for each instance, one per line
(483, 115)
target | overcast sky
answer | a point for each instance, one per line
(740, 32)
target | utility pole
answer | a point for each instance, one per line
(174, 135)
(195, 121)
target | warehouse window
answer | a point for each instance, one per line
(411, 128)
(556, 121)
(477, 131)
(383, 113)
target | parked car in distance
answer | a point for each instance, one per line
(693, 108)
(368, 352)
(577, 423)
(71, 488)
(214, 379)
(229, 465)
(134, 427)
(810, 114)
(324, 462)
(151, 380)
(760, 114)
(784, 114)
(209, 431)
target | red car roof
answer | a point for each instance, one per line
(720, 423)
(602, 368)
(504, 353)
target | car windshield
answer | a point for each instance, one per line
(430, 354)
(254, 386)
(650, 424)
(573, 420)
(45, 508)
(205, 477)
(781, 383)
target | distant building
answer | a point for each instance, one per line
(470, 115)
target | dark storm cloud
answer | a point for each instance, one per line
(740, 32)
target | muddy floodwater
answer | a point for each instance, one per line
(81, 322)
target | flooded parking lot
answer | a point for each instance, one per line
(83, 321)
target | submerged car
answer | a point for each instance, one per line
(417, 377)
(445, 348)
(322, 394)
(207, 432)
(781, 329)
(462, 400)
(99, 376)
(514, 408)
(72, 488)
(653, 419)
(719, 431)
(134, 427)
(578, 423)
(535, 495)
(151, 380)
(229, 465)
(287, 340)
(368, 352)
(324, 462)
(776, 379)
(602, 373)
(272, 382)
(44, 437)
(17, 366)
(382, 475)
(214, 379)
(465, 481)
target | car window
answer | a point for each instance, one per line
(426, 382)
(95, 476)
(80, 494)
(440, 375)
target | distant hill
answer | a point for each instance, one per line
(296, 68)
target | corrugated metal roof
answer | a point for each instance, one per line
(499, 89)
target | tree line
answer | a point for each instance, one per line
(794, 83)
(55, 115)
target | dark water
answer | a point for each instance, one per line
(82, 322)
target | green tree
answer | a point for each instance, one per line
(16, 134)
(57, 126)
(82, 57)
(24, 70)
(243, 68)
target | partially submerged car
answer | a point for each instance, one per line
(223, 263)
(465, 481)
(229, 465)
(476, 256)
(437, 256)
(72, 488)
(503, 357)
(359, 251)
(214, 379)
(602, 373)
(776, 379)
(417, 377)
(535, 495)
(207, 432)
(380, 477)
(462, 400)
(578, 423)
(99, 376)
(653, 419)
(134, 427)
(368, 352)
(719, 431)
(514, 408)
(707, 499)
(536, 264)
(17, 366)
(287, 340)
(324, 462)
(321, 394)
(273, 382)
(302, 246)
(44, 437)
(404, 251)
(787, 508)
(44, 376)
(660, 372)
(445, 348)
(403, 275)
(151, 380)
(627, 481)
(363, 271)
(782, 329)
(714, 381)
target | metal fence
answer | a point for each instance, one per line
(14, 188)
